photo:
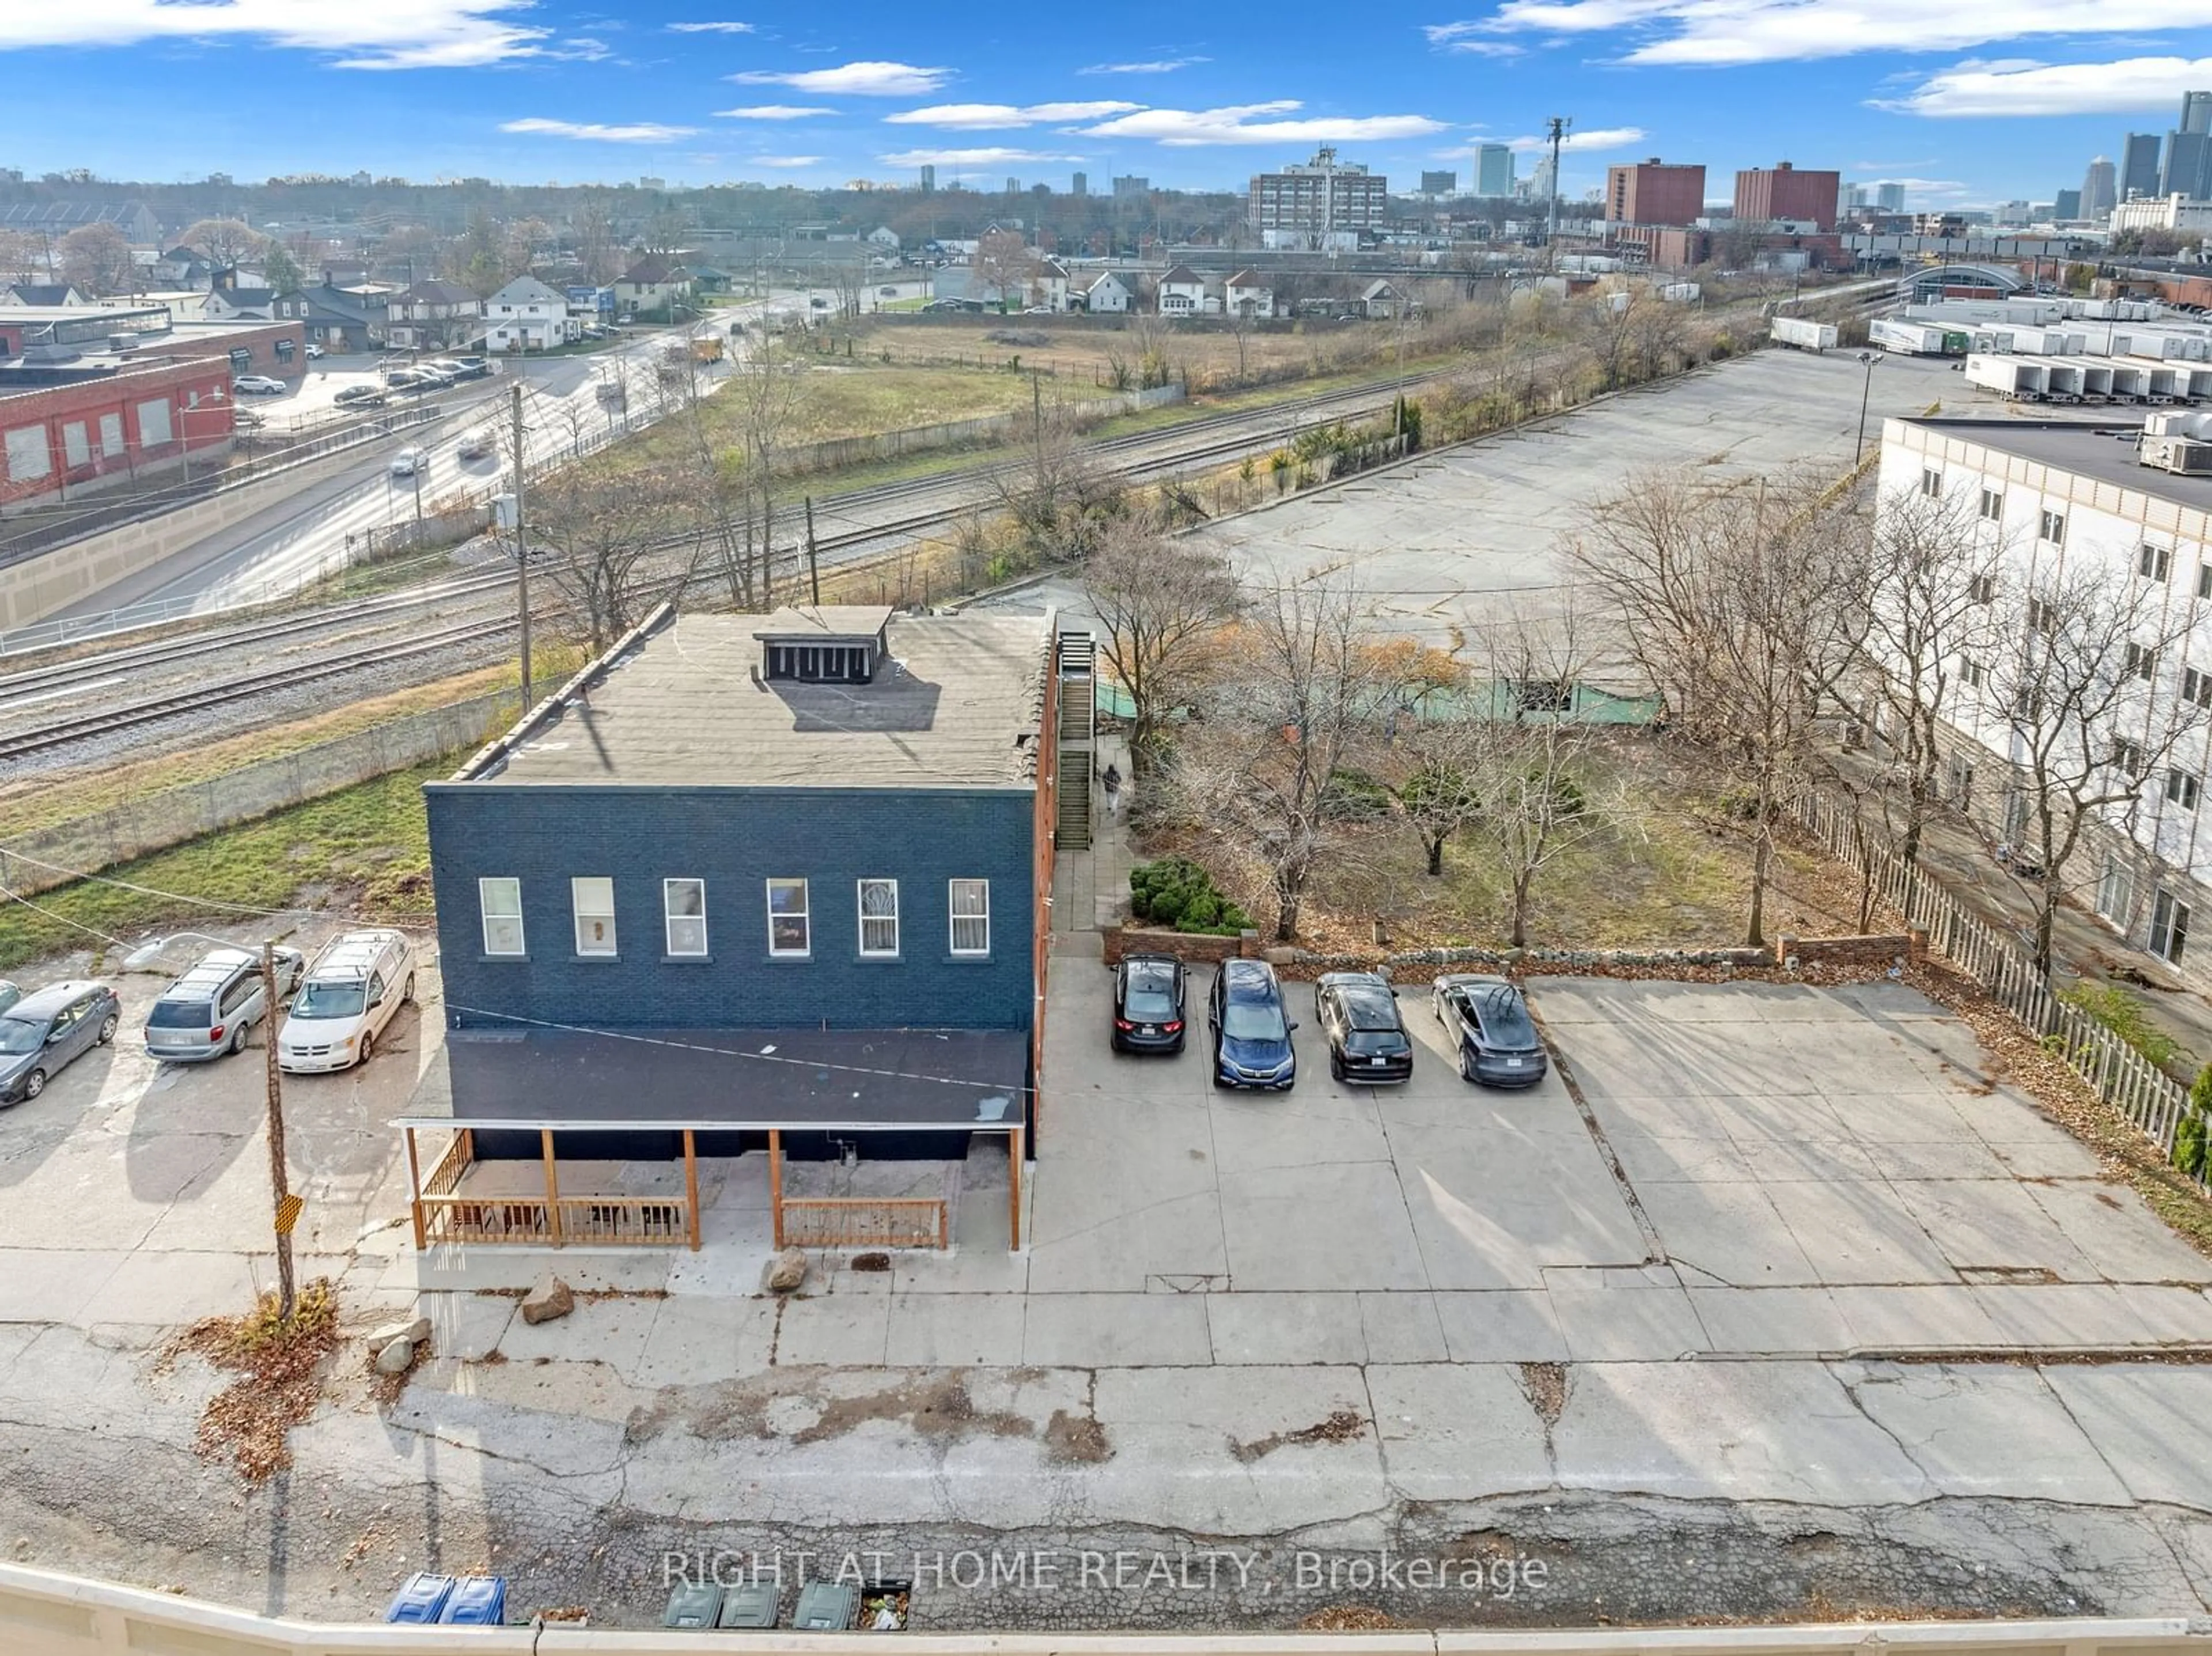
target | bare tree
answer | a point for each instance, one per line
(1735, 602)
(225, 241)
(1541, 797)
(1063, 497)
(1435, 785)
(97, 257)
(1298, 701)
(734, 486)
(602, 552)
(1159, 600)
(2085, 697)
(1002, 262)
(23, 257)
(1932, 602)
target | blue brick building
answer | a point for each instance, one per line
(736, 838)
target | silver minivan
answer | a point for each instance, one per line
(209, 1012)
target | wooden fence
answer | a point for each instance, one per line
(2122, 1076)
(572, 1220)
(862, 1221)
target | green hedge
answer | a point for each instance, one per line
(1177, 892)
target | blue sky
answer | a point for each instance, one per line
(1974, 101)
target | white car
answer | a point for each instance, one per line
(357, 985)
(408, 461)
(314, 351)
(258, 385)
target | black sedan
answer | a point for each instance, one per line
(1490, 1025)
(1148, 1015)
(1367, 1039)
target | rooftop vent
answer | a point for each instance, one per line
(834, 644)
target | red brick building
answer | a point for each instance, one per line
(1781, 191)
(68, 428)
(1672, 247)
(1654, 192)
(276, 349)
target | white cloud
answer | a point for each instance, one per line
(1597, 137)
(1156, 66)
(774, 111)
(953, 158)
(597, 132)
(1235, 123)
(786, 161)
(712, 28)
(1775, 31)
(2020, 87)
(988, 117)
(863, 80)
(1486, 48)
(399, 34)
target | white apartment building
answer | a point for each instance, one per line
(2051, 494)
(2175, 212)
(527, 315)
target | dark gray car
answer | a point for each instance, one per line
(1489, 1024)
(43, 1033)
(212, 1009)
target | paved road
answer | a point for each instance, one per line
(298, 538)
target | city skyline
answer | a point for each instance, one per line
(1949, 109)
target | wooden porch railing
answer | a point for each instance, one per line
(862, 1221)
(445, 1178)
(628, 1220)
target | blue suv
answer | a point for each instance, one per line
(1251, 1028)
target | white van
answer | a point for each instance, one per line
(357, 983)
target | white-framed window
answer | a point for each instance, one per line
(1983, 589)
(971, 917)
(2154, 561)
(1931, 483)
(2052, 526)
(2140, 661)
(2181, 788)
(1992, 504)
(593, 898)
(684, 904)
(2169, 926)
(2197, 687)
(154, 428)
(2204, 581)
(879, 920)
(2127, 758)
(500, 901)
(2116, 890)
(1971, 672)
(2042, 616)
(28, 455)
(787, 930)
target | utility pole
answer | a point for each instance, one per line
(813, 569)
(1556, 130)
(286, 1205)
(522, 550)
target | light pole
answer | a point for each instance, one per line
(284, 1207)
(1866, 393)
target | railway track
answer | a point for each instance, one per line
(62, 733)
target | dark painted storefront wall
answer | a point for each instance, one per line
(735, 840)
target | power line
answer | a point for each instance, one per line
(150, 891)
(17, 897)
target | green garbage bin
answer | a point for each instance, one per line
(751, 1604)
(693, 1606)
(824, 1607)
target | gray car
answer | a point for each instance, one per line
(1489, 1024)
(45, 1032)
(211, 1010)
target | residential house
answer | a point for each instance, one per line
(883, 236)
(1379, 299)
(1100, 291)
(46, 292)
(1182, 292)
(527, 315)
(182, 267)
(823, 928)
(238, 295)
(341, 321)
(1247, 295)
(652, 284)
(708, 279)
(1047, 284)
(439, 316)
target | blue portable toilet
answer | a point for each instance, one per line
(476, 1601)
(421, 1598)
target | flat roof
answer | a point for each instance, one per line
(805, 620)
(957, 705)
(2103, 450)
(798, 1080)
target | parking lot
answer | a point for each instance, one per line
(1747, 1244)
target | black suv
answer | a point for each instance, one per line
(1367, 1039)
(1148, 1005)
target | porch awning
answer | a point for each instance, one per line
(796, 1080)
